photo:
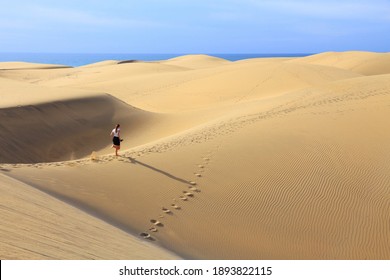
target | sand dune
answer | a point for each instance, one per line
(196, 61)
(257, 159)
(366, 63)
(101, 63)
(178, 88)
(34, 225)
(58, 124)
(28, 65)
(62, 130)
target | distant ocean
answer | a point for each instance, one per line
(79, 59)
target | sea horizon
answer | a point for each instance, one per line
(80, 59)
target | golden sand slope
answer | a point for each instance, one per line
(58, 124)
(258, 159)
(176, 88)
(34, 225)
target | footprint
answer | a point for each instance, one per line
(183, 198)
(153, 229)
(195, 189)
(165, 210)
(156, 223)
(193, 183)
(177, 207)
(145, 235)
(201, 166)
(198, 175)
(188, 194)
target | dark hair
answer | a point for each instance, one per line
(116, 128)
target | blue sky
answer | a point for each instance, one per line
(201, 26)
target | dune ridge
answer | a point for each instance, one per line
(28, 65)
(366, 63)
(255, 159)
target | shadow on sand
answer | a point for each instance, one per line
(134, 161)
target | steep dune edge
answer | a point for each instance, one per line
(64, 129)
(40, 124)
(35, 225)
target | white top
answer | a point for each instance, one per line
(116, 134)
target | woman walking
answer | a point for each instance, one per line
(116, 140)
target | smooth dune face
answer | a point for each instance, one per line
(35, 225)
(256, 159)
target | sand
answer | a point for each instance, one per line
(282, 158)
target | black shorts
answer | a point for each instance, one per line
(116, 141)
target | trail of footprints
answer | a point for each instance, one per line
(175, 205)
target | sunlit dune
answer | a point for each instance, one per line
(274, 158)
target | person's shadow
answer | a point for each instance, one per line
(134, 161)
